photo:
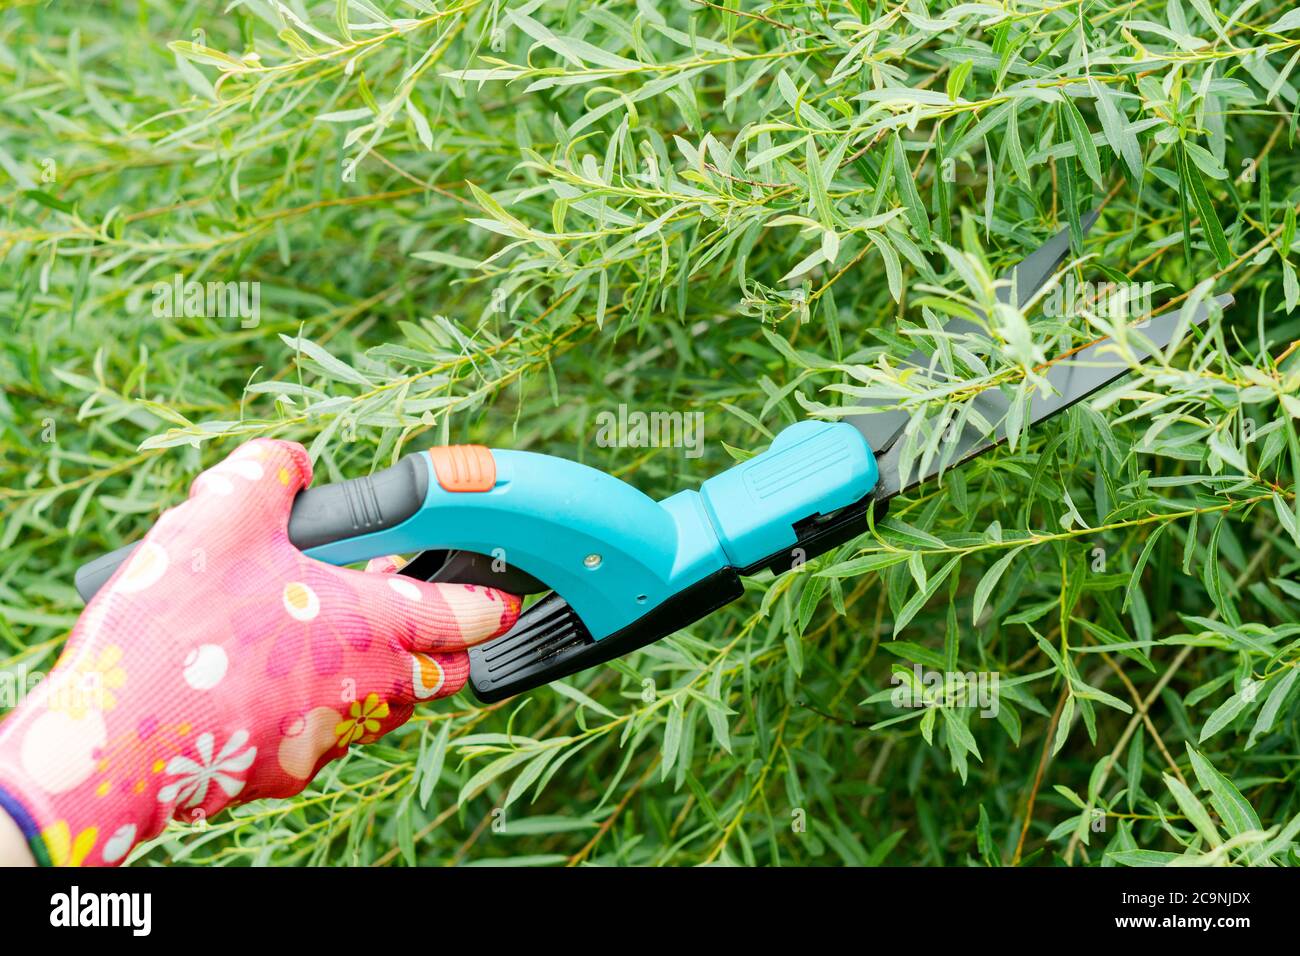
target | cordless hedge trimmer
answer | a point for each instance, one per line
(620, 570)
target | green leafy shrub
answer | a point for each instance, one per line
(476, 220)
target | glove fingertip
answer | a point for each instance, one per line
(279, 469)
(511, 607)
(481, 612)
(424, 616)
(388, 564)
(289, 459)
(437, 675)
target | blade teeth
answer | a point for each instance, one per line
(882, 429)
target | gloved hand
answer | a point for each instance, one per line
(221, 665)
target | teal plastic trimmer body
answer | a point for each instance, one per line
(619, 569)
(613, 552)
(622, 569)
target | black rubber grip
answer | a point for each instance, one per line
(334, 512)
(346, 509)
(93, 575)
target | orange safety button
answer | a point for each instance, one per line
(464, 467)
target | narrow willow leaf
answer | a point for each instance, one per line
(984, 837)
(1070, 201)
(1288, 21)
(578, 697)
(1282, 842)
(864, 565)
(990, 580)
(672, 739)
(907, 192)
(1133, 773)
(1205, 210)
(1184, 209)
(1114, 124)
(1014, 151)
(1273, 704)
(198, 53)
(1142, 857)
(431, 762)
(525, 778)
(919, 599)
(1083, 144)
(1194, 810)
(893, 268)
(1226, 713)
(1215, 581)
(959, 733)
(406, 831)
(476, 784)
(1233, 809)
(332, 367)
(717, 715)
(1135, 579)
(941, 193)
(957, 79)
(817, 187)
(1063, 725)
(918, 654)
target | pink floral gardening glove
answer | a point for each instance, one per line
(221, 665)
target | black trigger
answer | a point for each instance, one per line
(470, 567)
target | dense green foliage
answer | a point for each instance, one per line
(487, 220)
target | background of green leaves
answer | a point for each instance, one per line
(489, 221)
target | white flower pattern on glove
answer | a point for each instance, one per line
(191, 789)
